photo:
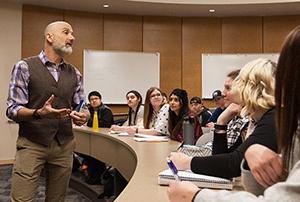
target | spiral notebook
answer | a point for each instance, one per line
(203, 181)
(150, 138)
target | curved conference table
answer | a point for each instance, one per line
(138, 162)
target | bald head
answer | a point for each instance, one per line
(59, 38)
(55, 26)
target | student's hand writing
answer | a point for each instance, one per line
(48, 112)
(265, 165)
(79, 118)
(181, 161)
(181, 191)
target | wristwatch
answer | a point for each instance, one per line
(35, 114)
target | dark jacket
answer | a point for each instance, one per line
(105, 116)
(204, 116)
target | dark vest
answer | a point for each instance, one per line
(41, 86)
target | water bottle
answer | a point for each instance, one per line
(188, 131)
(95, 121)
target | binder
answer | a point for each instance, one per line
(203, 181)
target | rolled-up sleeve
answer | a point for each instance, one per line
(79, 93)
(18, 90)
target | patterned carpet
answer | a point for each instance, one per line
(5, 184)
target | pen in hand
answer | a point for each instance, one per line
(173, 169)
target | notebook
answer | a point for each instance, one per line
(203, 181)
(150, 138)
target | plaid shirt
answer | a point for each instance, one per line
(18, 86)
(234, 129)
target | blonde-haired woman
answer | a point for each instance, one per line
(254, 88)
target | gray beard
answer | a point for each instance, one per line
(63, 50)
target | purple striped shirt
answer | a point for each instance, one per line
(18, 85)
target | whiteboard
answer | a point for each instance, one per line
(215, 68)
(114, 73)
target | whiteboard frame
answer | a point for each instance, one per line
(215, 68)
(120, 63)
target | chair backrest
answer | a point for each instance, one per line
(206, 137)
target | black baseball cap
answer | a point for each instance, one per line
(217, 94)
(196, 100)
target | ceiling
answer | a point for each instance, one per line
(187, 8)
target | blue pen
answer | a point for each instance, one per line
(80, 105)
(173, 169)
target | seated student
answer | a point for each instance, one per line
(152, 107)
(237, 125)
(105, 119)
(178, 102)
(254, 89)
(135, 112)
(228, 142)
(165, 98)
(266, 164)
(197, 107)
(105, 116)
(220, 103)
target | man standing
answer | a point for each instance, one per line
(42, 91)
(197, 107)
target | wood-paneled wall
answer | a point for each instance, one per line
(163, 35)
(84, 38)
(180, 41)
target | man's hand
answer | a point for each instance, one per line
(79, 118)
(265, 165)
(48, 112)
(181, 191)
(181, 161)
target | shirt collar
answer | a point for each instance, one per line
(46, 61)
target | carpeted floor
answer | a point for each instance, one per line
(5, 184)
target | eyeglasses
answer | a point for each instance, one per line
(155, 95)
(95, 98)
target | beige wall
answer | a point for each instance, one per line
(181, 41)
(10, 52)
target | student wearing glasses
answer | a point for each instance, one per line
(153, 108)
(105, 115)
(155, 113)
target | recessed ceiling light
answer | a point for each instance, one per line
(105, 5)
(212, 10)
